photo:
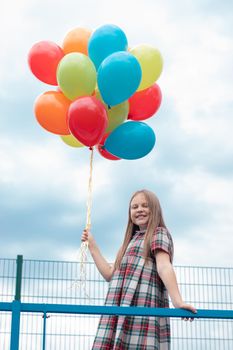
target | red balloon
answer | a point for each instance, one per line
(143, 104)
(43, 59)
(103, 152)
(87, 118)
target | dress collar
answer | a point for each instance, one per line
(140, 232)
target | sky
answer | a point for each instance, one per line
(43, 182)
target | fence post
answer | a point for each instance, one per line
(45, 316)
(19, 263)
(16, 306)
(15, 325)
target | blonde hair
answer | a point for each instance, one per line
(155, 220)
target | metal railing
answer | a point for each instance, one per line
(43, 314)
(16, 307)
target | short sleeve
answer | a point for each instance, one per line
(162, 240)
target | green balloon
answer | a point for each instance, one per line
(76, 75)
(70, 140)
(116, 114)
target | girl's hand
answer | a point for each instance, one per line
(87, 237)
(84, 237)
(187, 307)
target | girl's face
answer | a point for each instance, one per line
(139, 211)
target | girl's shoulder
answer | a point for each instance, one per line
(162, 240)
(163, 232)
(161, 229)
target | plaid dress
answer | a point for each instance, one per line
(137, 284)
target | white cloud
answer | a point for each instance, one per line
(48, 169)
(206, 243)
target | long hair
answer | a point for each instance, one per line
(155, 220)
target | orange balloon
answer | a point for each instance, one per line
(51, 111)
(76, 41)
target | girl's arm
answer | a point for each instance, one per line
(168, 276)
(105, 269)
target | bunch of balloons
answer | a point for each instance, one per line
(103, 91)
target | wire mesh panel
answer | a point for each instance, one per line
(5, 330)
(7, 279)
(31, 331)
(57, 282)
(206, 288)
(71, 332)
(7, 289)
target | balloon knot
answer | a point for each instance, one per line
(109, 107)
(91, 148)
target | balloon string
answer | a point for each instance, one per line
(84, 246)
(89, 196)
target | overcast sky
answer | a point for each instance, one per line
(43, 182)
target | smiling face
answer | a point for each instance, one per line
(140, 211)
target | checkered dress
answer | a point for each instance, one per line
(137, 284)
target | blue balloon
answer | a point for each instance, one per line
(104, 41)
(131, 140)
(118, 77)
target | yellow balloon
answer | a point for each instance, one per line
(116, 114)
(151, 63)
(70, 140)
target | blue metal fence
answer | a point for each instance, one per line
(51, 300)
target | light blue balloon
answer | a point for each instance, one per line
(118, 77)
(104, 41)
(131, 140)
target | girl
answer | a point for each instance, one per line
(141, 276)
